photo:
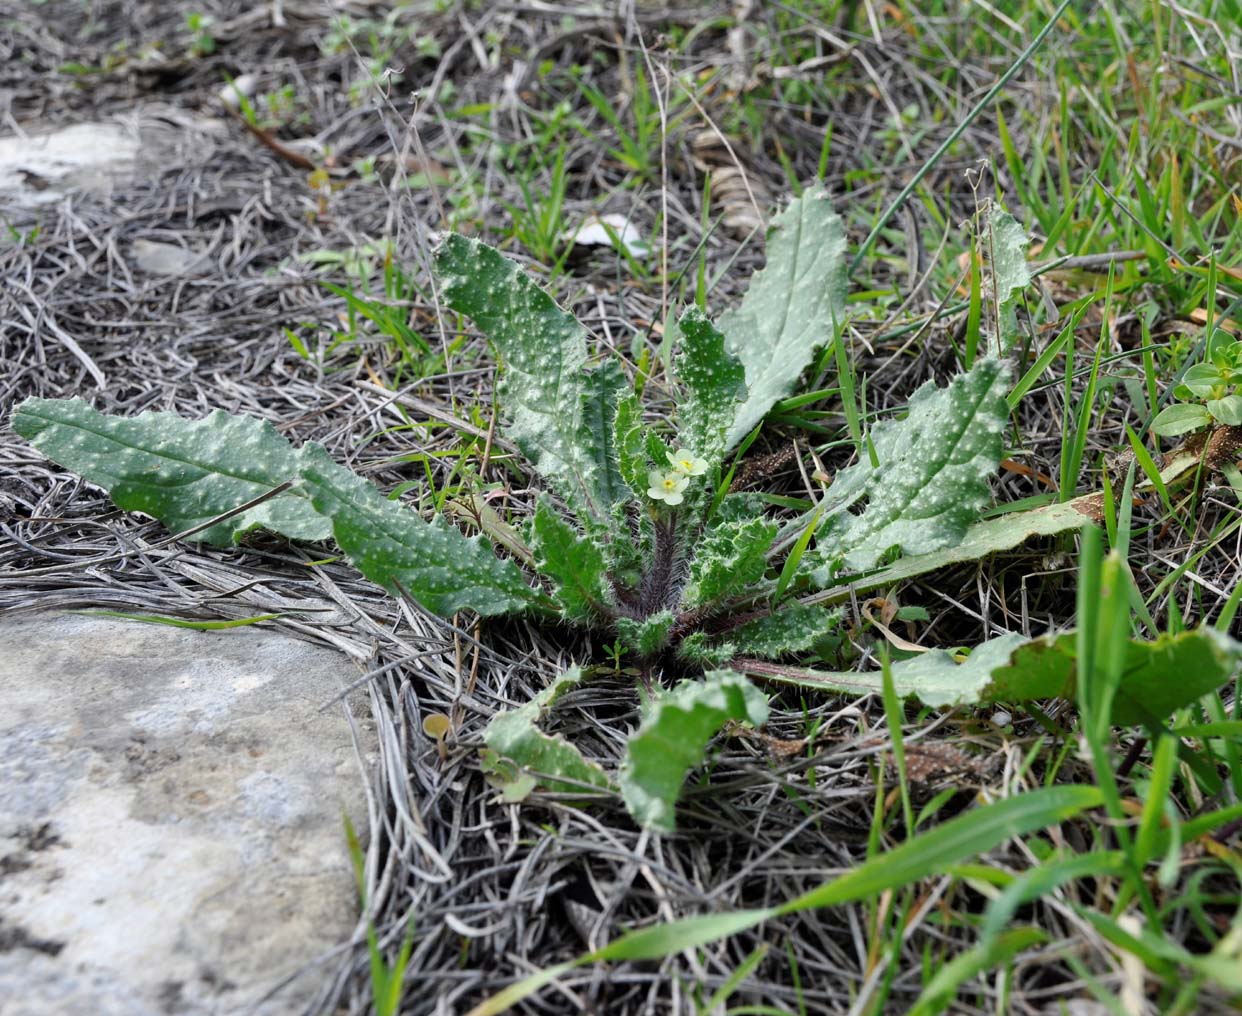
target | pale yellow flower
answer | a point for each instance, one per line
(687, 463)
(666, 487)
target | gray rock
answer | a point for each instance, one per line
(171, 838)
(41, 168)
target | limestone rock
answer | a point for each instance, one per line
(171, 838)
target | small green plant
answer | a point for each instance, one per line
(1209, 392)
(638, 536)
(387, 979)
(202, 42)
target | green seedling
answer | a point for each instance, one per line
(1209, 393)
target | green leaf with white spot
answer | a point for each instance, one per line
(981, 540)
(794, 628)
(631, 444)
(544, 353)
(715, 384)
(396, 548)
(730, 558)
(792, 306)
(574, 562)
(648, 636)
(544, 759)
(1158, 677)
(674, 736)
(182, 472)
(1010, 272)
(602, 390)
(932, 477)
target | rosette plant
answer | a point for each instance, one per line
(636, 533)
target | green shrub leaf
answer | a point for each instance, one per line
(1227, 410)
(544, 759)
(791, 308)
(544, 353)
(574, 563)
(715, 382)
(394, 547)
(182, 472)
(674, 736)
(1158, 677)
(932, 477)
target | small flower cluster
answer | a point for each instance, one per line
(667, 486)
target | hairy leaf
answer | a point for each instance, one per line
(646, 637)
(728, 559)
(546, 759)
(1158, 677)
(1005, 532)
(700, 648)
(602, 391)
(1008, 243)
(715, 382)
(631, 444)
(544, 350)
(932, 477)
(792, 629)
(791, 307)
(674, 736)
(575, 563)
(394, 547)
(182, 472)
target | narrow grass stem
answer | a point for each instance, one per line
(939, 153)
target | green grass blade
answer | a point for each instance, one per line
(926, 855)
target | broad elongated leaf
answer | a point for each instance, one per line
(182, 472)
(1005, 532)
(932, 477)
(544, 353)
(935, 677)
(1159, 677)
(602, 390)
(928, 854)
(394, 547)
(1010, 272)
(672, 739)
(547, 760)
(715, 381)
(729, 559)
(574, 562)
(631, 444)
(791, 307)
